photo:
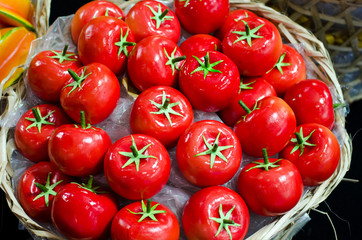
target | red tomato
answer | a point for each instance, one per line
(251, 90)
(83, 211)
(208, 153)
(270, 124)
(37, 188)
(137, 166)
(163, 113)
(138, 221)
(92, 10)
(289, 70)
(33, 130)
(155, 61)
(201, 16)
(48, 71)
(314, 151)
(233, 17)
(93, 89)
(270, 187)
(200, 42)
(215, 213)
(151, 18)
(78, 150)
(311, 102)
(209, 80)
(254, 44)
(106, 40)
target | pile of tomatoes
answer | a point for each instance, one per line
(233, 64)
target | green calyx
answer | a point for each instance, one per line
(165, 107)
(206, 66)
(225, 221)
(245, 86)
(160, 16)
(247, 109)
(172, 60)
(46, 190)
(83, 124)
(280, 64)
(38, 119)
(266, 164)
(214, 150)
(248, 34)
(301, 141)
(187, 2)
(135, 155)
(123, 43)
(78, 80)
(63, 56)
(148, 211)
(89, 186)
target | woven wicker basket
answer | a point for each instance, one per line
(319, 63)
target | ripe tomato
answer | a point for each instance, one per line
(289, 70)
(155, 61)
(314, 151)
(215, 213)
(251, 90)
(208, 153)
(270, 187)
(311, 102)
(270, 124)
(48, 71)
(93, 89)
(138, 221)
(137, 166)
(33, 130)
(163, 113)
(83, 211)
(201, 16)
(78, 150)
(37, 188)
(106, 40)
(200, 42)
(250, 40)
(92, 10)
(209, 80)
(151, 18)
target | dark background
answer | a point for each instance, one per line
(343, 206)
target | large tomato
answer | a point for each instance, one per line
(200, 42)
(215, 213)
(208, 153)
(137, 166)
(163, 113)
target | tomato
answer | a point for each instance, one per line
(311, 102)
(140, 221)
(200, 42)
(314, 151)
(48, 71)
(92, 10)
(33, 130)
(83, 211)
(215, 213)
(37, 187)
(270, 187)
(151, 18)
(93, 89)
(201, 16)
(270, 124)
(289, 70)
(251, 90)
(163, 113)
(106, 40)
(208, 153)
(137, 166)
(233, 17)
(78, 150)
(155, 61)
(209, 80)
(249, 41)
